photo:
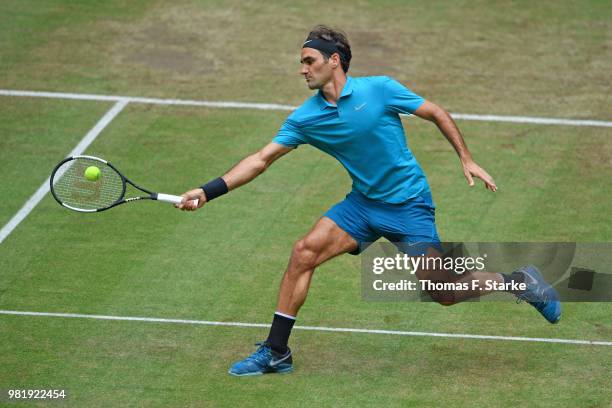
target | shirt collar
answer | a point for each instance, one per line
(347, 89)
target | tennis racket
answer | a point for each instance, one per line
(72, 189)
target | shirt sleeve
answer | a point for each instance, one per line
(400, 99)
(289, 134)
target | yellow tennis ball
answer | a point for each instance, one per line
(92, 173)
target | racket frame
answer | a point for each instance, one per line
(121, 200)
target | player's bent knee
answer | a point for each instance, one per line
(304, 255)
(443, 297)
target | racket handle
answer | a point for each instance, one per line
(172, 199)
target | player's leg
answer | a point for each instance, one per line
(538, 293)
(414, 222)
(435, 274)
(344, 228)
(325, 241)
(411, 226)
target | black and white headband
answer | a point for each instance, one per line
(326, 47)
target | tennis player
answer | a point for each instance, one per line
(356, 120)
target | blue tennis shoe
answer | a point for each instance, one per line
(539, 293)
(264, 360)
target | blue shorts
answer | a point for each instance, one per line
(410, 225)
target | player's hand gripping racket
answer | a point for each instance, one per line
(91, 184)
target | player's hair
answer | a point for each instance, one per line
(338, 37)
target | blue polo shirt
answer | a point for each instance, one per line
(364, 132)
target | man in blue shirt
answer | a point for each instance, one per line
(356, 120)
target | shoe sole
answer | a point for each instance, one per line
(558, 317)
(283, 371)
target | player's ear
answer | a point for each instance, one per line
(335, 60)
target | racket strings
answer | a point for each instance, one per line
(74, 189)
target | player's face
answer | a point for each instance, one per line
(315, 69)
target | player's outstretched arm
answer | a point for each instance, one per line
(243, 172)
(447, 126)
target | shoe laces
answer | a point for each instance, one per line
(532, 294)
(262, 354)
(524, 297)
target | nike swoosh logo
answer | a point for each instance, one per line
(360, 106)
(306, 42)
(277, 362)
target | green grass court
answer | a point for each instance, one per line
(224, 263)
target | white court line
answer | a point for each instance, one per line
(44, 188)
(150, 101)
(526, 119)
(313, 328)
(272, 106)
